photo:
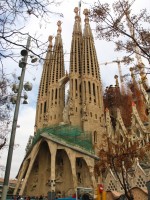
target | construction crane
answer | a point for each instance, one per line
(141, 68)
(140, 65)
(144, 85)
(120, 72)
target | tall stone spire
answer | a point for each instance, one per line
(51, 97)
(43, 89)
(56, 93)
(92, 99)
(75, 72)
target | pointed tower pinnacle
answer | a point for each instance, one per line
(75, 72)
(92, 99)
(50, 42)
(117, 82)
(50, 103)
(56, 93)
(42, 101)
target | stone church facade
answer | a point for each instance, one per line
(61, 157)
(62, 153)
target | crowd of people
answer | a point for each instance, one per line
(29, 198)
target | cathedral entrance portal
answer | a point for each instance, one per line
(37, 183)
(64, 181)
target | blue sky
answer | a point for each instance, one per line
(105, 53)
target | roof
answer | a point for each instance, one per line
(69, 134)
(11, 181)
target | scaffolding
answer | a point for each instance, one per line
(69, 134)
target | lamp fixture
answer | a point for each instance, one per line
(25, 101)
(28, 86)
(22, 63)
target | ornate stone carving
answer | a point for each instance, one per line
(46, 117)
(66, 114)
(84, 112)
(59, 173)
(71, 107)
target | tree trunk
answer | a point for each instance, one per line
(3, 144)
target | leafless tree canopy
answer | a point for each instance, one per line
(5, 109)
(118, 23)
(14, 15)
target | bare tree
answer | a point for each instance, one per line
(129, 31)
(120, 151)
(14, 15)
(120, 157)
(5, 109)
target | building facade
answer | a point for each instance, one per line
(62, 153)
(68, 134)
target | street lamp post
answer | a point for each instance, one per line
(14, 124)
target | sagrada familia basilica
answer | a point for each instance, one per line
(69, 128)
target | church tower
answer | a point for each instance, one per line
(75, 73)
(42, 101)
(56, 93)
(61, 156)
(51, 100)
(85, 101)
(92, 99)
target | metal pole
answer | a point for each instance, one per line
(14, 126)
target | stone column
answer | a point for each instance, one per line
(72, 159)
(21, 173)
(32, 159)
(90, 164)
(53, 150)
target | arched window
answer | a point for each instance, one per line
(138, 133)
(93, 89)
(76, 85)
(52, 94)
(45, 107)
(95, 137)
(89, 85)
(41, 108)
(56, 94)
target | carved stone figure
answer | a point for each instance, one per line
(66, 114)
(84, 112)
